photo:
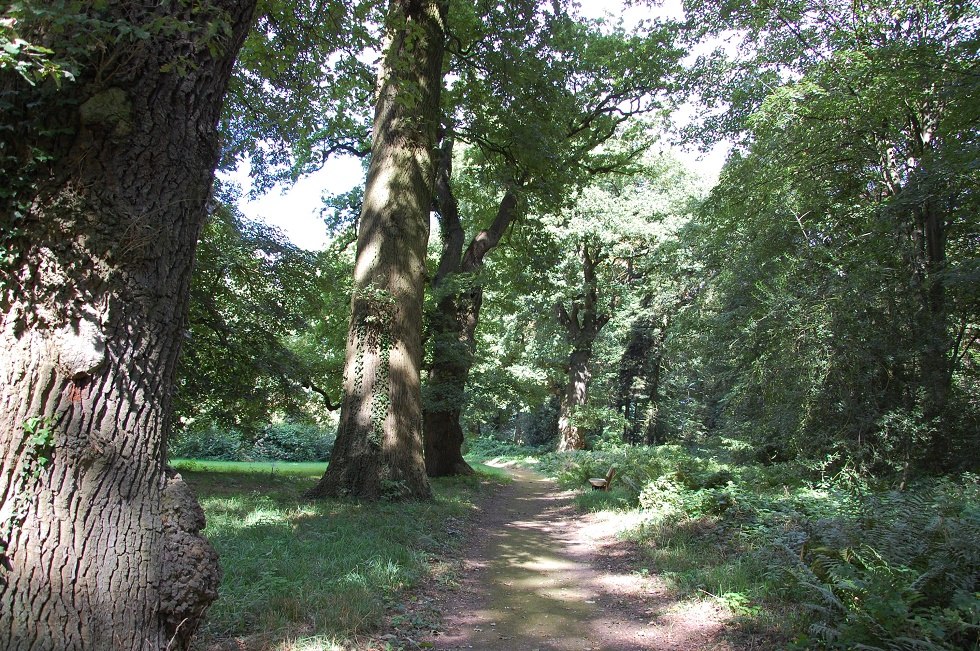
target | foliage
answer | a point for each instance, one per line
(277, 442)
(903, 570)
(303, 88)
(487, 448)
(264, 340)
(833, 316)
(32, 62)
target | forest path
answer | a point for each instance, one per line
(538, 575)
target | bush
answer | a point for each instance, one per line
(484, 448)
(293, 442)
(279, 442)
(211, 443)
(902, 572)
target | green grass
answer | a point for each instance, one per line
(324, 570)
(308, 469)
(497, 474)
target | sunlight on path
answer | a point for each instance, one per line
(533, 582)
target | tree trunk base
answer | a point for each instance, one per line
(443, 445)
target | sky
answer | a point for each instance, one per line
(296, 209)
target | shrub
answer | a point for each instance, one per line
(293, 442)
(211, 443)
(902, 572)
(279, 442)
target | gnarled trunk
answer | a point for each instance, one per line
(571, 436)
(100, 545)
(378, 453)
(453, 326)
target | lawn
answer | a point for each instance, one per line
(300, 574)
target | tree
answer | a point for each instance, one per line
(582, 324)
(539, 93)
(854, 124)
(378, 452)
(104, 185)
(453, 322)
(261, 338)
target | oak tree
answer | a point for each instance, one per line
(105, 179)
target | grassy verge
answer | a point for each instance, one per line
(308, 575)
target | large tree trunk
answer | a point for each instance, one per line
(919, 189)
(936, 344)
(453, 333)
(378, 453)
(571, 436)
(582, 326)
(100, 545)
(453, 326)
(631, 366)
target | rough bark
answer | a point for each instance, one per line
(100, 545)
(378, 453)
(453, 325)
(582, 325)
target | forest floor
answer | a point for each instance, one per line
(537, 574)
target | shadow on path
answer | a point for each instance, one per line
(535, 578)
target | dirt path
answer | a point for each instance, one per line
(540, 576)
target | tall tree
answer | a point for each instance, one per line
(453, 322)
(378, 452)
(582, 324)
(104, 185)
(539, 93)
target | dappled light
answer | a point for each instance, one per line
(537, 579)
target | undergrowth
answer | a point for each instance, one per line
(829, 562)
(328, 570)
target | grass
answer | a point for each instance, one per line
(308, 575)
(309, 469)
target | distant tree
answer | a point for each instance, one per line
(582, 322)
(261, 338)
(104, 184)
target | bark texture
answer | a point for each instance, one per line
(454, 322)
(378, 453)
(100, 545)
(582, 324)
